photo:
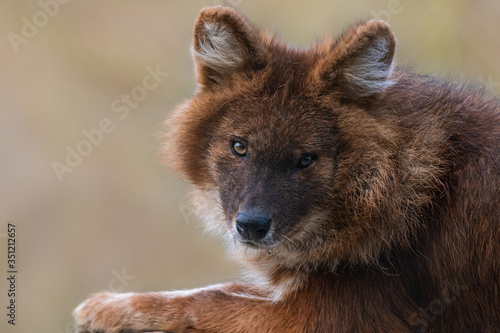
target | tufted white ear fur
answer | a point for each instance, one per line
(224, 44)
(360, 62)
(370, 73)
(218, 48)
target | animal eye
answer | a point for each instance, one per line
(239, 148)
(305, 161)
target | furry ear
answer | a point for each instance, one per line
(224, 43)
(361, 61)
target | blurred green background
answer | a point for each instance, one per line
(119, 221)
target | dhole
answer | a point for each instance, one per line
(361, 197)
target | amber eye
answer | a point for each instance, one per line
(305, 161)
(239, 148)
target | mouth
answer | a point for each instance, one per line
(265, 244)
(259, 247)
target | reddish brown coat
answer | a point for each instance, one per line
(394, 226)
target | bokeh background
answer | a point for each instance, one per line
(119, 221)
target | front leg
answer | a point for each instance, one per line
(226, 308)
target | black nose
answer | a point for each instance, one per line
(252, 227)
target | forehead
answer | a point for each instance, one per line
(278, 104)
(273, 120)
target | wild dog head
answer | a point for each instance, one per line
(289, 144)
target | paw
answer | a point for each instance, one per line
(105, 313)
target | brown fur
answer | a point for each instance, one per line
(393, 228)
